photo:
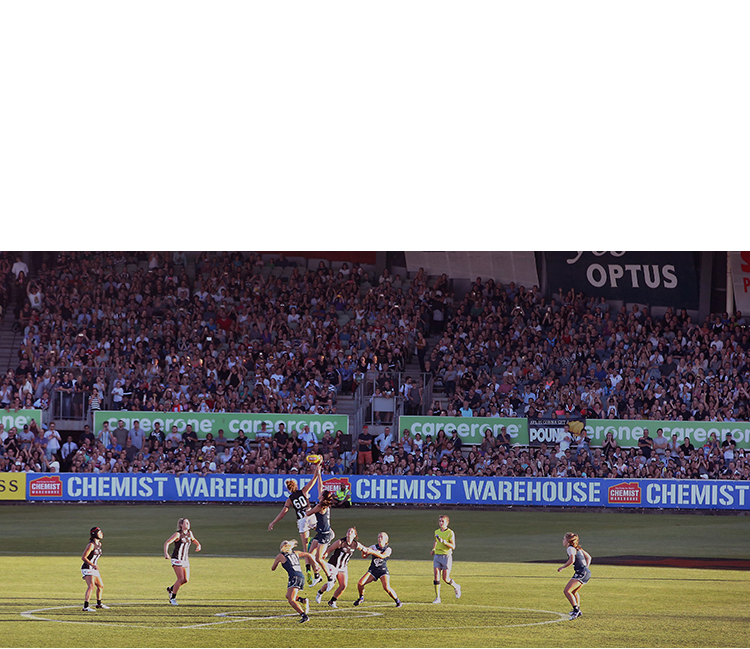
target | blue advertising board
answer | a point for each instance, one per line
(455, 490)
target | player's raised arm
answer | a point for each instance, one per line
(280, 515)
(315, 479)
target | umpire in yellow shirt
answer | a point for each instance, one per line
(442, 552)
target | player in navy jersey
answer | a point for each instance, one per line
(337, 556)
(580, 560)
(299, 501)
(289, 560)
(378, 570)
(323, 533)
(90, 569)
(182, 539)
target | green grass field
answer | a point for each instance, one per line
(509, 597)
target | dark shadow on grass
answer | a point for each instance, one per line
(667, 562)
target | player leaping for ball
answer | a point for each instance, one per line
(298, 500)
(442, 561)
(323, 535)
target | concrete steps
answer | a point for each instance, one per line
(10, 341)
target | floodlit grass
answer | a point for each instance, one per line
(233, 599)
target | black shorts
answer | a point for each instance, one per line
(297, 580)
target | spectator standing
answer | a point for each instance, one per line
(221, 442)
(646, 443)
(54, 441)
(157, 434)
(364, 449)
(19, 266)
(189, 438)
(687, 447)
(69, 448)
(384, 440)
(25, 437)
(105, 434)
(661, 444)
(120, 434)
(308, 436)
(86, 435)
(95, 402)
(117, 395)
(136, 435)
(173, 436)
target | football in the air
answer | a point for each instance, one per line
(314, 459)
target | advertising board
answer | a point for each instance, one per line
(373, 489)
(231, 422)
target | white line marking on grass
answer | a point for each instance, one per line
(343, 613)
(31, 616)
(238, 617)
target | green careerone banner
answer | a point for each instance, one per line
(231, 422)
(627, 431)
(470, 429)
(19, 418)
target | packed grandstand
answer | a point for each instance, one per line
(259, 333)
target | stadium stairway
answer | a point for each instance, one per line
(10, 341)
(345, 402)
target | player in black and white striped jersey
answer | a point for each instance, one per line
(299, 501)
(337, 556)
(183, 538)
(90, 569)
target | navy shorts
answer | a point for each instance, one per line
(582, 576)
(378, 572)
(324, 538)
(296, 580)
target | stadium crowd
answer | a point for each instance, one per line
(136, 332)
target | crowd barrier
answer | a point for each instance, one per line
(416, 490)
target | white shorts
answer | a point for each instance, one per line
(182, 564)
(335, 572)
(90, 572)
(307, 523)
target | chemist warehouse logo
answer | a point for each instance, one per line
(625, 493)
(46, 487)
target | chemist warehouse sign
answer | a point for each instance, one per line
(549, 492)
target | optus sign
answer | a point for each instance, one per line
(658, 278)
